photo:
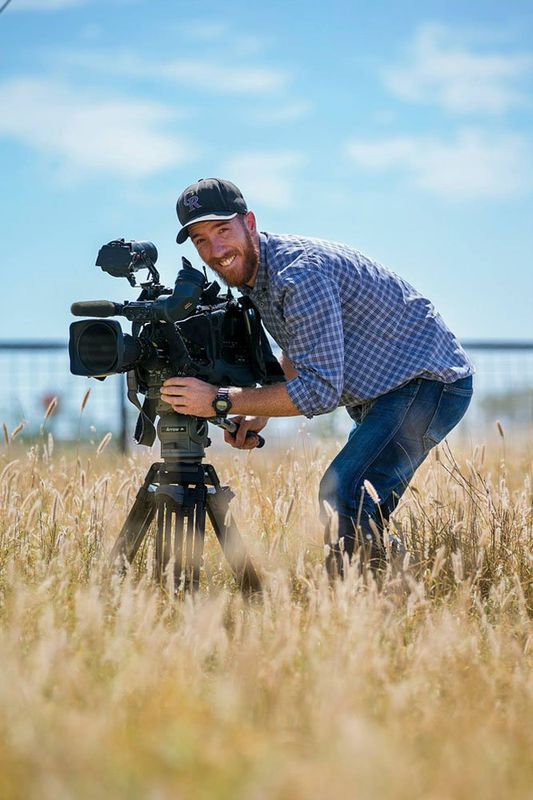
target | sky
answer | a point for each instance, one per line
(402, 129)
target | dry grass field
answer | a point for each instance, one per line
(419, 688)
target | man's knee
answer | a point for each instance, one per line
(348, 497)
(328, 494)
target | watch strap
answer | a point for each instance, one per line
(222, 403)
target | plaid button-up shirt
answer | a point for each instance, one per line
(352, 328)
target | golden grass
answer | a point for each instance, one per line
(421, 688)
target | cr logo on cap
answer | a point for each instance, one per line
(192, 202)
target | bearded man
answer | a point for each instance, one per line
(353, 334)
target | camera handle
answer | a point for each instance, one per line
(232, 427)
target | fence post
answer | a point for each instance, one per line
(123, 430)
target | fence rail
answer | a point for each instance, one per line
(32, 372)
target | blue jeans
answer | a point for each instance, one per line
(392, 438)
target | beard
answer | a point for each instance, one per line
(249, 255)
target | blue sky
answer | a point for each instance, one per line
(402, 129)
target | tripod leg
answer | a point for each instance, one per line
(163, 538)
(189, 538)
(199, 535)
(158, 556)
(230, 540)
(178, 548)
(137, 522)
(193, 536)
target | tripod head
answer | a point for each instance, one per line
(183, 438)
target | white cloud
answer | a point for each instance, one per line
(219, 33)
(53, 5)
(203, 74)
(475, 164)
(205, 30)
(118, 136)
(444, 71)
(264, 177)
(288, 112)
(46, 5)
(193, 73)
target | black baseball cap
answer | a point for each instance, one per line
(208, 199)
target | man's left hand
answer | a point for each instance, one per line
(190, 396)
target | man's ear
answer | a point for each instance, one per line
(250, 221)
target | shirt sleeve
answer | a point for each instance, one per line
(313, 319)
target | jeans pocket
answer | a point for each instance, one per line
(451, 408)
(456, 391)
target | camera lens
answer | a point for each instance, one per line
(145, 250)
(97, 348)
(101, 348)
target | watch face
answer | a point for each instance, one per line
(222, 405)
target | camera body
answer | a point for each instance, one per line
(191, 330)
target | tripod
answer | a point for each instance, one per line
(179, 492)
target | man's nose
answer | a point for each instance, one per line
(218, 247)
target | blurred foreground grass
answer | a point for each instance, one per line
(422, 688)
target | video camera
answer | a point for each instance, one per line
(191, 330)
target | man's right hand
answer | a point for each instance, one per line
(240, 440)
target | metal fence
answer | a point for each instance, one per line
(32, 373)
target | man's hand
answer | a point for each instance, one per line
(239, 440)
(190, 396)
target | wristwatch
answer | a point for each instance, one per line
(222, 404)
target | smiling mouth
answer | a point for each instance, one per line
(227, 262)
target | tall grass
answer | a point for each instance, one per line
(421, 687)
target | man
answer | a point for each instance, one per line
(352, 334)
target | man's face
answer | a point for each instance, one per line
(229, 248)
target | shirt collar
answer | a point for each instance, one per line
(261, 279)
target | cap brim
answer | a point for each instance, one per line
(183, 235)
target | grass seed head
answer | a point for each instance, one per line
(371, 491)
(103, 444)
(52, 406)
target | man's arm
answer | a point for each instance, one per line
(265, 401)
(289, 370)
(313, 320)
(192, 396)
